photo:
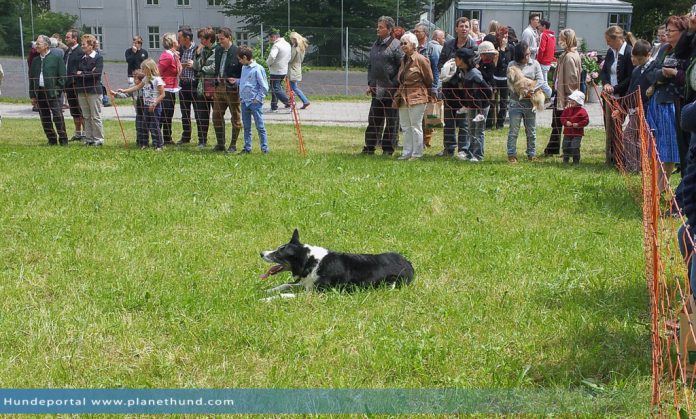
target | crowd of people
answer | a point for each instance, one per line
(208, 78)
(482, 78)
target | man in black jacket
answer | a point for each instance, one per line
(382, 69)
(228, 70)
(135, 55)
(72, 59)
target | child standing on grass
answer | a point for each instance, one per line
(152, 92)
(253, 87)
(574, 119)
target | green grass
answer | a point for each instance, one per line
(128, 268)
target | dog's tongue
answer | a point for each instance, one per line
(272, 271)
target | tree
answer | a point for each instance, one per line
(649, 14)
(320, 21)
(45, 22)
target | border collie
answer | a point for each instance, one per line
(318, 268)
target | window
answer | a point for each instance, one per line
(620, 19)
(216, 2)
(153, 37)
(99, 34)
(242, 38)
(152, 2)
(471, 14)
(183, 3)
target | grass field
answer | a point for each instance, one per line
(129, 268)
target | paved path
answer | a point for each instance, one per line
(351, 114)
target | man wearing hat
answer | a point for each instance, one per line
(277, 61)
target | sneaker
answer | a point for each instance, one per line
(512, 159)
(97, 143)
(143, 147)
(462, 156)
(77, 137)
(219, 147)
(245, 151)
(288, 106)
(232, 149)
(265, 151)
(305, 106)
(404, 157)
(387, 153)
(533, 158)
(445, 153)
(474, 160)
(200, 146)
(87, 141)
(414, 158)
(367, 152)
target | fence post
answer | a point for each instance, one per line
(347, 57)
(24, 60)
(261, 38)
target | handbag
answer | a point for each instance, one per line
(209, 88)
(434, 115)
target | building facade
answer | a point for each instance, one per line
(115, 22)
(589, 18)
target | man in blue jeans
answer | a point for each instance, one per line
(252, 89)
(277, 61)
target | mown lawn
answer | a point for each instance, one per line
(129, 268)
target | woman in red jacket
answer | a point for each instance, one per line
(169, 67)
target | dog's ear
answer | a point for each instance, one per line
(295, 237)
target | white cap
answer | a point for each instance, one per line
(578, 97)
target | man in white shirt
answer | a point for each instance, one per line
(531, 34)
(277, 61)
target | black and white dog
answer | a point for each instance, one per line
(318, 268)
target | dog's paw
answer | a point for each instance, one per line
(275, 297)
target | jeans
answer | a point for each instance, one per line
(571, 148)
(152, 125)
(411, 121)
(520, 111)
(249, 110)
(454, 121)
(475, 132)
(277, 91)
(296, 88)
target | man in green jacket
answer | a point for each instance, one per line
(46, 81)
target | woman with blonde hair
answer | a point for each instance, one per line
(169, 68)
(298, 48)
(493, 27)
(476, 33)
(89, 90)
(567, 80)
(615, 76)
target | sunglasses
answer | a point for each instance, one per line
(404, 43)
